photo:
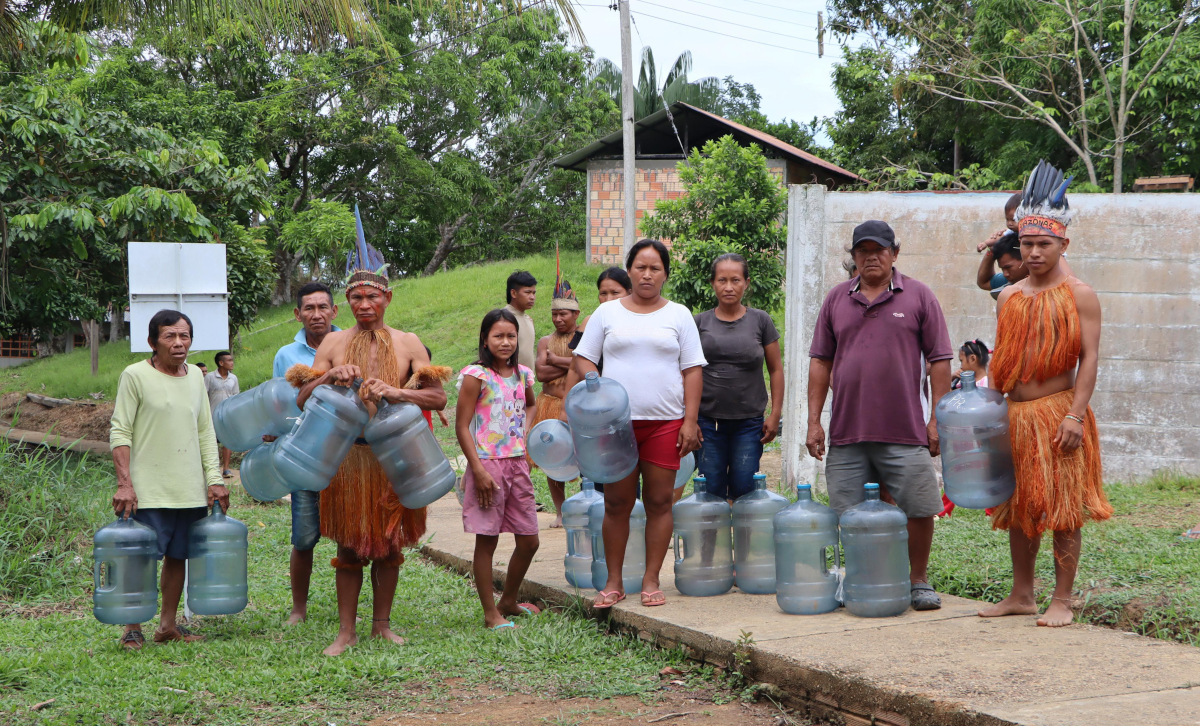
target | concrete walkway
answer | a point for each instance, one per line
(942, 667)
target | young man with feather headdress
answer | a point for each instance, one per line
(1046, 360)
(359, 510)
(554, 357)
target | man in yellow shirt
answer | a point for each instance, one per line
(165, 453)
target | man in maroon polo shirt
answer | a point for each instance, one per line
(873, 337)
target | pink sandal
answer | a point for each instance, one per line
(602, 603)
(649, 601)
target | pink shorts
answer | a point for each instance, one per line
(658, 441)
(513, 508)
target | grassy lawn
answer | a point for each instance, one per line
(251, 668)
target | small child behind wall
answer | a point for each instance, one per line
(497, 491)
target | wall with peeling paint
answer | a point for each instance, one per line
(1139, 252)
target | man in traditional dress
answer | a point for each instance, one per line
(554, 358)
(1046, 359)
(359, 510)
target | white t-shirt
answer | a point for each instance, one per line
(647, 353)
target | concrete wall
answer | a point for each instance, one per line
(1138, 251)
(656, 180)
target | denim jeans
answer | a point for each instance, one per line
(730, 454)
(306, 519)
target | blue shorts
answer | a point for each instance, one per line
(730, 454)
(171, 526)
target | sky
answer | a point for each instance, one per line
(793, 82)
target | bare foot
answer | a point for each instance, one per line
(1058, 615)
(297, 616)
(1011, 605)
(341, 643)
(386, 633)
(492, 621)
(557, 524)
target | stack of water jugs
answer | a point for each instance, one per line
(310, 447)
(762, 544)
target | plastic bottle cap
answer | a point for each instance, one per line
(804, 486)
(870, 486)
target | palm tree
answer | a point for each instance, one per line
(353, 20)
(648, 97)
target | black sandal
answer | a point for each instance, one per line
(132, 640)
(924, 597)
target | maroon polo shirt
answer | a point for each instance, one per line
(879, 351)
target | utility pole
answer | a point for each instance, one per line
(628, 147)
(820, 34)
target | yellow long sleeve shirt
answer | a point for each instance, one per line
(167, 425)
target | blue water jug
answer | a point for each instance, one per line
(125, 555)
(806, 533)
(634, 567)
(267, 409)
(602, 429)
(687, 465)
(754, 538)
(217, 565)
(875, 541)
(551, 448)
(977, 465)
(409, 453)
(309, 456)
(258, 475)
(703, 526)
(578, 562)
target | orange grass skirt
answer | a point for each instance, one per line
(360, 511)
(1055, 491)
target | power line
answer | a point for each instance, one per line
(753, 15)
(727, 22)
(780, 7)
(423, 48)
(735, 37)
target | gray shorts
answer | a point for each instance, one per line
(906, 470)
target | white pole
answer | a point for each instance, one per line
(629, 153)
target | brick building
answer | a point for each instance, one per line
(660, 147)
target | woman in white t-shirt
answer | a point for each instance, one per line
(650, 346)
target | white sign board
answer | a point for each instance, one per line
(189, 278)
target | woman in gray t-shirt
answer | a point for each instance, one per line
(736, 340)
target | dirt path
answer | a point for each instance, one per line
(676, 706)
(72, 422)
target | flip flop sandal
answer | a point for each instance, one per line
(503, 626)
(132, 640)
(649, 602)
(1192, 534)
(924, 597)
(603, 603)
(529, 608)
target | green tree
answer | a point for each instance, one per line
(648, 95)
(320, 236)
(77, 184)
(731, 203)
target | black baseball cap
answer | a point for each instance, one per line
(874, 231)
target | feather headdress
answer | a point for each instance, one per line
(364, 264)
(564, 296)
(1044, 208)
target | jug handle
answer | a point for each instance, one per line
(675, 544)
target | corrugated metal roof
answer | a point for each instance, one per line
(576, 160)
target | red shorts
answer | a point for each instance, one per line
(657, 442)
(428, 418)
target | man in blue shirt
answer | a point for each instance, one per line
(315, 310)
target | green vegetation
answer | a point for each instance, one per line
(251, 668)
(444, 311)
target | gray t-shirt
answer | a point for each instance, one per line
(733, 380)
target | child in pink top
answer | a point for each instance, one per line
(497, 491)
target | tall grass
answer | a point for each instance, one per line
(50, 505)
